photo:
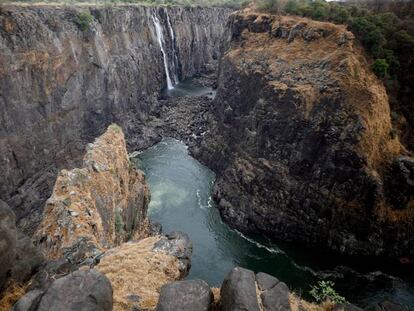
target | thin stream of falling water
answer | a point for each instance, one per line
(175, 59)
(160, 37)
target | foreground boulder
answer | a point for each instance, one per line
(138, 270)
(83, 290)
(97, 206)
(238, 291)
(8, 238)
(191, 295)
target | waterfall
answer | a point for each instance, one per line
(175, 58)
(160, 37)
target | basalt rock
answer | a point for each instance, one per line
(179, 245)
(62, 84)
(8, 238)
(83, 290)
(191, 295)
(300, 138)
(238, 291)
(97, 206)
(243, 290)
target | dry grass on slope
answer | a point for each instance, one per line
(12, 294)
(137, 274)
(297, 304)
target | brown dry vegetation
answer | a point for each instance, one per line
(85, 200)
(136, 271)
(12, 294)
(298, 304)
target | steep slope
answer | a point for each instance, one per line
(300, 137)
(66, 73)
(97, 206)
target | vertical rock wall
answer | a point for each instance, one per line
(63, 82)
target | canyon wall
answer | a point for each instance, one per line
(65, 78)
(300, 137)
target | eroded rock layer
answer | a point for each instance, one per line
(300, 137)
(66, 73)
(97, 206)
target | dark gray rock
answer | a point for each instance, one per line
(387, 305)
(191, 295)
(265, 281)
(179, 245)
(29, 302)
(238, 291)
(276, 299)
(84, 290)
(28, 259)
(346, 307)
(50, 271)
(155, 228)
(401, 178)
(8, 238)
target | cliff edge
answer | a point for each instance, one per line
(301, 139)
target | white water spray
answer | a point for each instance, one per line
(160, 37)
(175, 59)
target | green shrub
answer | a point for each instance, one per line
(380, 68)
(67, 202)
(115, 127)
(272, 6)
(84, 20)
(324, 291)
(119, 223)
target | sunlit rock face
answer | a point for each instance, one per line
(63, 82)
(300, 137)
(97, 206)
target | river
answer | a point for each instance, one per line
(181, 200)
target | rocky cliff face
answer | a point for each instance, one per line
(300, 137)
(64, 79)
(97, 206)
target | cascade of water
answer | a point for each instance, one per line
(160, 37)
(175, 58)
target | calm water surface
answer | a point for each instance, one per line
(188, 88)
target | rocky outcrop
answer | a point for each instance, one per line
(64, 79)
(97, 206)
(300, 137)
(8, 237)
(19, 258)
(138, 270)
(84, 290)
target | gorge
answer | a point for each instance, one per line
(298, 137)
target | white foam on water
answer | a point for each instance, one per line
(259, 245)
